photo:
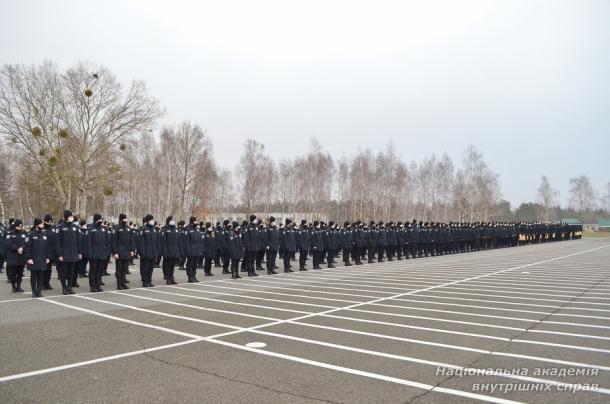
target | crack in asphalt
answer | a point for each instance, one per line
(196, 369)
(505, 344)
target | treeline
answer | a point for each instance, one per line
(80, 139)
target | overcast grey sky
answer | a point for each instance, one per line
(525, 81)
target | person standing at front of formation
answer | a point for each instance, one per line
(250, 241)
(303, 244)
(171, 249)
(272, 245)
(288, 244)
(37, 255)
(51, 233)
(97, 248)
(16, 240)
(209, 249)
(68, 250)
(236, 249)
(147, 243)
(193, 246)
(123, 249)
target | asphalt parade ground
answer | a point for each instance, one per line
(524, 324)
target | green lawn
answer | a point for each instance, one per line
(596, 234)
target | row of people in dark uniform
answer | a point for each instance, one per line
(72, 245)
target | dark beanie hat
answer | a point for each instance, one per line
(303, 222)
(48, 217)
(97, 216)
(122, 217)
(252, 217)
(37, 221)
(67, 213)
(17, 222)
(148, 218)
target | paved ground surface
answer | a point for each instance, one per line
(528, 324)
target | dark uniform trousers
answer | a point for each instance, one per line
(271, 255)
(168, 268)
(122, 266)
(96, 268)
(67, 273)
(302, 258)
(191, 267)
(146, 269)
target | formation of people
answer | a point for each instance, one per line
(81, 250)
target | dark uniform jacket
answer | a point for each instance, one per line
(38, 249)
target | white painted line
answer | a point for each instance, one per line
(507, 303)
(157, 313)
(268, 353)
(268, 292)
(254, 297)
(516, 297)
(256, 345)
(425, 362)
(234, 313)
(411, 280)
(449, 346)
(97, 360)
(223, 301)
(154, 327)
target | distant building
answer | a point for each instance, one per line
(603, 225)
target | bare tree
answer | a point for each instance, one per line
(69, 124)
(547, 198)
(251, 171)
(476, 189)
(582, 194)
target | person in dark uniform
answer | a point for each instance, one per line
(261, 237)
(218, 245)
(235, 248)
(328, 238)
(346, 243)
(251, 244)
(181, 230)
(37, 255)
(272, 245)
(81, 266)
(193, 248)
(123, 249)
(317, 244)
(288, 244)
(16, 241)
(51, 234)
(96, 249)
(303, 244)
(171, 249)
(147, 244)
(68, 247)
(209, 248)
(223, 240)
